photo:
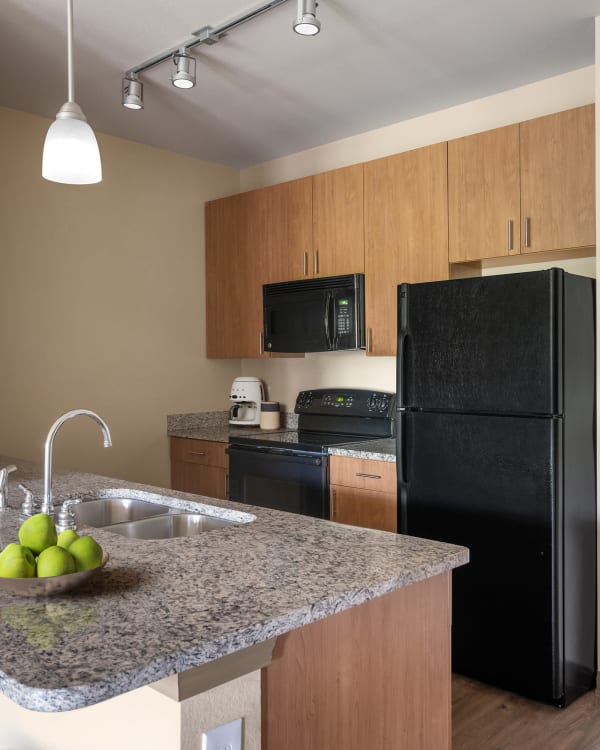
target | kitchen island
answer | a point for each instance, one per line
(166, 607)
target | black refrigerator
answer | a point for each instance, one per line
(496, 452)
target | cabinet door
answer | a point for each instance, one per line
(557, 181)
(406, 234)
(358, 507)
(280, 230)
(338, 223)
(231, 329)
(483, 195)
(211, 481)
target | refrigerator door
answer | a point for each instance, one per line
(482, 345)
(491, 484)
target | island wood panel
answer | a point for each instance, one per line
(484, 195)
(366, 508)
(406, 234)
(374, 676)
(338, 223)
(558, 181)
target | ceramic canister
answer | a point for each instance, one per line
(269, 415)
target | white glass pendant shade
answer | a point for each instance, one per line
(71, 153)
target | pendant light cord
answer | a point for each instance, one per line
(70, 82)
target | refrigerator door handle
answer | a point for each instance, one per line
(401, 471)
(403, 334)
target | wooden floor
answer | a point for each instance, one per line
(486, 718)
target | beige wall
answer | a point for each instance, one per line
(284, 377)
(102, 301)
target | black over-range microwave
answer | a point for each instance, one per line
(315, 315)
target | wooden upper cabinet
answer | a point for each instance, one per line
(406, 234)
(338, 223)
(557, 181)
(524, 188)
(232, 327)
(280, 229)
(483, 195)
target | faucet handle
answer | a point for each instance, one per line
(29, 507)
(4, 485)
(66, 517)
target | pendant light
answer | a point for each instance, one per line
(71, 153)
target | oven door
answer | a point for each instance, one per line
(279, 478)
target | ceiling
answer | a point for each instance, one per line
(263, 91)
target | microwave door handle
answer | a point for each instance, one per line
(326, 320)
(333, 322)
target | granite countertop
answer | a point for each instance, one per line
(377, 450)
(214, 426)
(162, 607)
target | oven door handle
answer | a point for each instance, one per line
(276, 453)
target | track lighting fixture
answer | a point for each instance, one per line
(132, 92)
(184, 76)
(71, 153)
(184, 65)
(306, 22)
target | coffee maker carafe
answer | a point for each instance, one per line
(246, 393)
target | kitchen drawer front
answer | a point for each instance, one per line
(363, 473)
(206, 452)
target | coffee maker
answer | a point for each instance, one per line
(246, 393)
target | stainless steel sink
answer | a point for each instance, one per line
(169, 526)
(106, 511)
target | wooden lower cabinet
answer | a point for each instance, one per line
(362, 492)
(374, 676)
(200, 466)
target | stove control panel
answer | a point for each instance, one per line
(346, 401)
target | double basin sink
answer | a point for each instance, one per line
(139, 515)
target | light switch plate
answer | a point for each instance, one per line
(225, 737)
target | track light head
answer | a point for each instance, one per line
(307, 23)
(132, 92)
(184, 76)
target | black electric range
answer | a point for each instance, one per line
(289, 470)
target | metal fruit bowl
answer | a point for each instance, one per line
(51, 585)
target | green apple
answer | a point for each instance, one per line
(38, 532)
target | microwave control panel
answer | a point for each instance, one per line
(346, 401)
(343, 316)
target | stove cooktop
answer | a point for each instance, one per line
(316, 442)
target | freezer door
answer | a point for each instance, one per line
(490, 484)
(486, 344)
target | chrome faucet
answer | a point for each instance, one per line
(4, 485)
(47, 501)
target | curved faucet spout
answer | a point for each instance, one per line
(47, 502)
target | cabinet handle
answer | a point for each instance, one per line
(369, 340)
(333, 504)
(368, 476)
(509, 235)
(197, 453)
(261, 343)
(526, 231)
(316, 262)
(305, 266)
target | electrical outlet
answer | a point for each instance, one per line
(225, 737)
